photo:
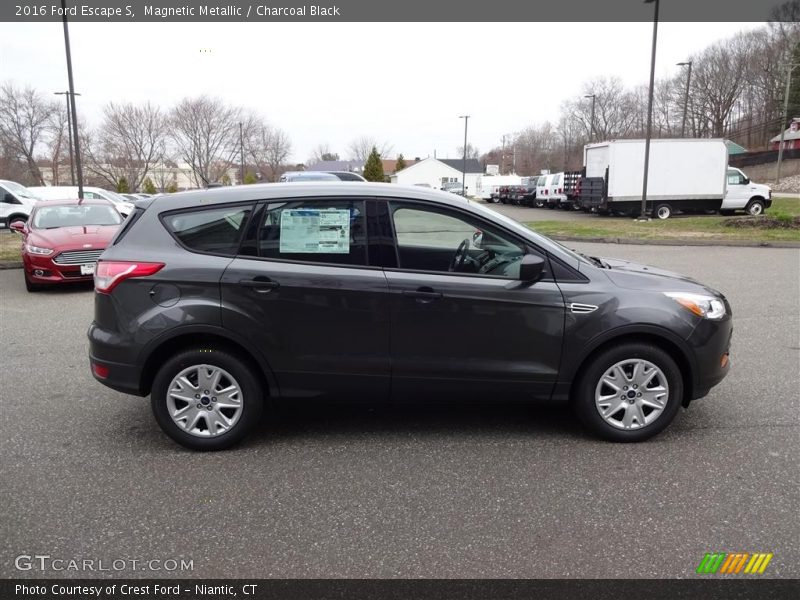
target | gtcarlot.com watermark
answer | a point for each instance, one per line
(44, 563)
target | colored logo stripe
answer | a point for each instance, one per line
(734, 562)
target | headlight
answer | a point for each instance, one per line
(709, 307)
(38, 250)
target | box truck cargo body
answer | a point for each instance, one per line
(684, 174)
(488, 185)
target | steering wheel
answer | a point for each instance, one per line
(460, 257)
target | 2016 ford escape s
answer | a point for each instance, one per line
(217, 301)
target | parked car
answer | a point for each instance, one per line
(214, 302)
(290, 176)
(63, 239)
(454, 187)
(545, 187)
(66, 192)
(16, 202)
(347, 175)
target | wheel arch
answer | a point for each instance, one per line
(666, 343)
(161, 349)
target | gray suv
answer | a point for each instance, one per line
(214, 302)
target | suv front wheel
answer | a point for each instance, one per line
(629, 393)
(206, 399)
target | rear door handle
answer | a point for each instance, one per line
(262, 285)
(423, 295)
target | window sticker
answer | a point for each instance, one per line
(305, 230)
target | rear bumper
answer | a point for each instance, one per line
(109, 350)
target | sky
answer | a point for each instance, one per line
(403, 83)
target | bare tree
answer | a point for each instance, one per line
(472, 151)
(361, 147)
(58, 142)
(268, 147)
(322, 152)
(127, 143)
(24, 122)
(206, 136)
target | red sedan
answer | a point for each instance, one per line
(63, 239)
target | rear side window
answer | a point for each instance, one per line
(318, 231)
(216, 231)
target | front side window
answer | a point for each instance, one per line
(451, 242)
(216, 231)
(734, 178)
(320, 231)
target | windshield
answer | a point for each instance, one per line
(75, 215)
(19, 190)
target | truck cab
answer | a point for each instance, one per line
(743, 194)
(16, 202)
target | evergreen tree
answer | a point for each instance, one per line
(148, 187)
(373, 169)
(172, 188)
(122, 186)
(250, 178)
(400, 164)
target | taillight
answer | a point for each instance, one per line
(560, 190)
(109, 274)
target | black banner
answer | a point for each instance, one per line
(406, 11)
(347, 589)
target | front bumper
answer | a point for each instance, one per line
(42, 270)
(711, 343)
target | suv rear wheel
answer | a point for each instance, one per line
(629, 393)
(206, 399)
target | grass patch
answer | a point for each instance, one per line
(777, 225)
(10, 244)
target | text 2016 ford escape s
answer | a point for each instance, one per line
(214, 302)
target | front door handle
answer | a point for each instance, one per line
(260, 284)
(423, 295)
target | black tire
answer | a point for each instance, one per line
(662, 211)
(252, 397)
(584, 392)
(31, 287)
(726, 213)
(538, 203)
(755, 207)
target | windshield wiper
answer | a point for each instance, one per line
(594, 260)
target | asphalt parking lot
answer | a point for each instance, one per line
(362, 492)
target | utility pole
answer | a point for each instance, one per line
(643, 215)
(72, 95)
(464, 167)
(241, 153)
(591, 119)
(688, 63)
(69, 134)
(789, 69)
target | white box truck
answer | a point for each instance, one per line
(684, 175)
(489, 185)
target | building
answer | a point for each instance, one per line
(791, 137)
(435, 172)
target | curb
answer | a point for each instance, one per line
(675, 242)
(10, 264)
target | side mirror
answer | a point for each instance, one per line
(531, 268)
(746, 181)
(18, 226)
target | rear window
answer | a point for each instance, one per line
(215, 231)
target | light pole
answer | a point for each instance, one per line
(688, 63)
(789, 68)
(464, 166)
(69, 134)
(72, 96)
(591, 119)
(643, 215)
